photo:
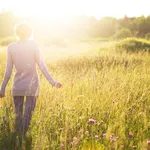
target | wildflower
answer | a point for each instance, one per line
(107, 112)
(75, 141)
(96, 136)
(72, 85)
(114, 100)
(112, 135)
(148, 142)
(78, 124)
(68, 108)
(104, 135)
(75, 138)
(133, 146)
(113, 139)
(62, 145)
(99, 123)
(130, 134)
(71, 143)
(38, 122)
(92, 120)
(60, 129)
(86, 132)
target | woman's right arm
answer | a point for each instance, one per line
(8, 73)
(43, 67)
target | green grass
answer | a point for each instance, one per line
(134, 45)
(5, 41)
(111, 88)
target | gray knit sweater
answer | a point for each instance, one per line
(24, 56)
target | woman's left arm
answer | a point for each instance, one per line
(8, 73)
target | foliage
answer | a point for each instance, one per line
(123, 33)
(134, 45)
(105, 27)
(147, 36)
(7, 40)
(7, 22)
(79, 26)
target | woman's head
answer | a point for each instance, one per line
(23, 31)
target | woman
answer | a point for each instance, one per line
(24, 55)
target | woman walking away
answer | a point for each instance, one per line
(24, 55)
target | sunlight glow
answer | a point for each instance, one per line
(69, 8)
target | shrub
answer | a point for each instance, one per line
(134, 44)
(123, 33)
(7, 40)
(147, 36)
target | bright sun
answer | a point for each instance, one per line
(67, 8)
(55, 8)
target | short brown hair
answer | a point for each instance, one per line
(23, 30)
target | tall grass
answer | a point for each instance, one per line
(7, 40)
(134, 44)
(104, 104)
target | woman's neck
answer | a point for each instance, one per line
(23, 39)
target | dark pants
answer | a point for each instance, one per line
(23, 114)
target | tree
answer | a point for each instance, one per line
(7, 22)
(123, 33)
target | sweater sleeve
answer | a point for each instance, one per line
(42, 66)
(8, 72)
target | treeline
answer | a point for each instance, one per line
(7, 22)
(80, 26)
(115, 28)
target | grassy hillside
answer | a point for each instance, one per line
(134, 45)
(104, 104)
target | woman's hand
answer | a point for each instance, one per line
(58, 85)
(2, 93)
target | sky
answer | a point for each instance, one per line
(69, 8)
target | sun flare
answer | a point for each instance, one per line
(56, 9)
(68, 8)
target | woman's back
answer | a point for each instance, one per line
(23, 57)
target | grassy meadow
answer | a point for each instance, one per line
(104, 103)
